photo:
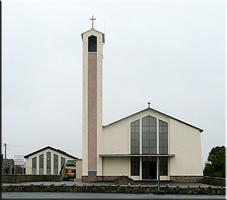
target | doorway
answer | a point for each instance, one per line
(149, 168)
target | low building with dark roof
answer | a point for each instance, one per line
(47, 160)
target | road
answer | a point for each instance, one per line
(72, 195)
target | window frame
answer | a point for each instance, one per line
(135, 137)
(34, 165)
(48, 166)
(135, 166)
(41, 164)
(149, 130)
(55, 164)
(163, 137)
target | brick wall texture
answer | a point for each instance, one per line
(186, 179)
(18, 178)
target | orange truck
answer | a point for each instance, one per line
(68, 171)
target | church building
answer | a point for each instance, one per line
(139, 146)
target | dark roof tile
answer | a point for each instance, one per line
(49, 147)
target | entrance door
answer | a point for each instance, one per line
(149, 168)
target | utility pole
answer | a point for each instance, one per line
(159, 191)
(158, 174)
(5, 149)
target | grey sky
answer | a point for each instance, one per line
(171, 53)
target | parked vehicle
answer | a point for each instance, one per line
(68, 170)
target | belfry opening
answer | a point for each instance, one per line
(92, 44)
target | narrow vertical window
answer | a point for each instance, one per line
(163, 137)
(135, 137)
(34, 165)
(62, 161)
(92, 44)
(135, 166)
(48, 162)
(55, 164)
(149, 135)
(41, 164)
(164, 166)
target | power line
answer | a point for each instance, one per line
(35, 147)
(22, 146)
(74, 150)
(9, 152)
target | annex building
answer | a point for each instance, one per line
(48, 161)
(137, 146)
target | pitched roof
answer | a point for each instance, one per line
(92, 29)
(48, 147)
(158, 112)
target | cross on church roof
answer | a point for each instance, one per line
(149, 104)
(92, 21)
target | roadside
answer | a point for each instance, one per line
(72, 195)
(136, 183)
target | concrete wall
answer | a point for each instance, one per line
(18, 178)
(78, 170)
(116, 138)
(116, 166)
(183, 141)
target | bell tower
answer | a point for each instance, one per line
(93, 41)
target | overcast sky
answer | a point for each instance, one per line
(171, 53)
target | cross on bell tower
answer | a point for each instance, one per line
(148, 104)
(92, 21)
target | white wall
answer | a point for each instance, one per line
(183, 141)
(186, 145)
(116, 138)
(78, 169)
(115, 166)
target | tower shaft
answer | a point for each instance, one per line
(92, 101)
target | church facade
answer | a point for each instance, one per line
(143, 146)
